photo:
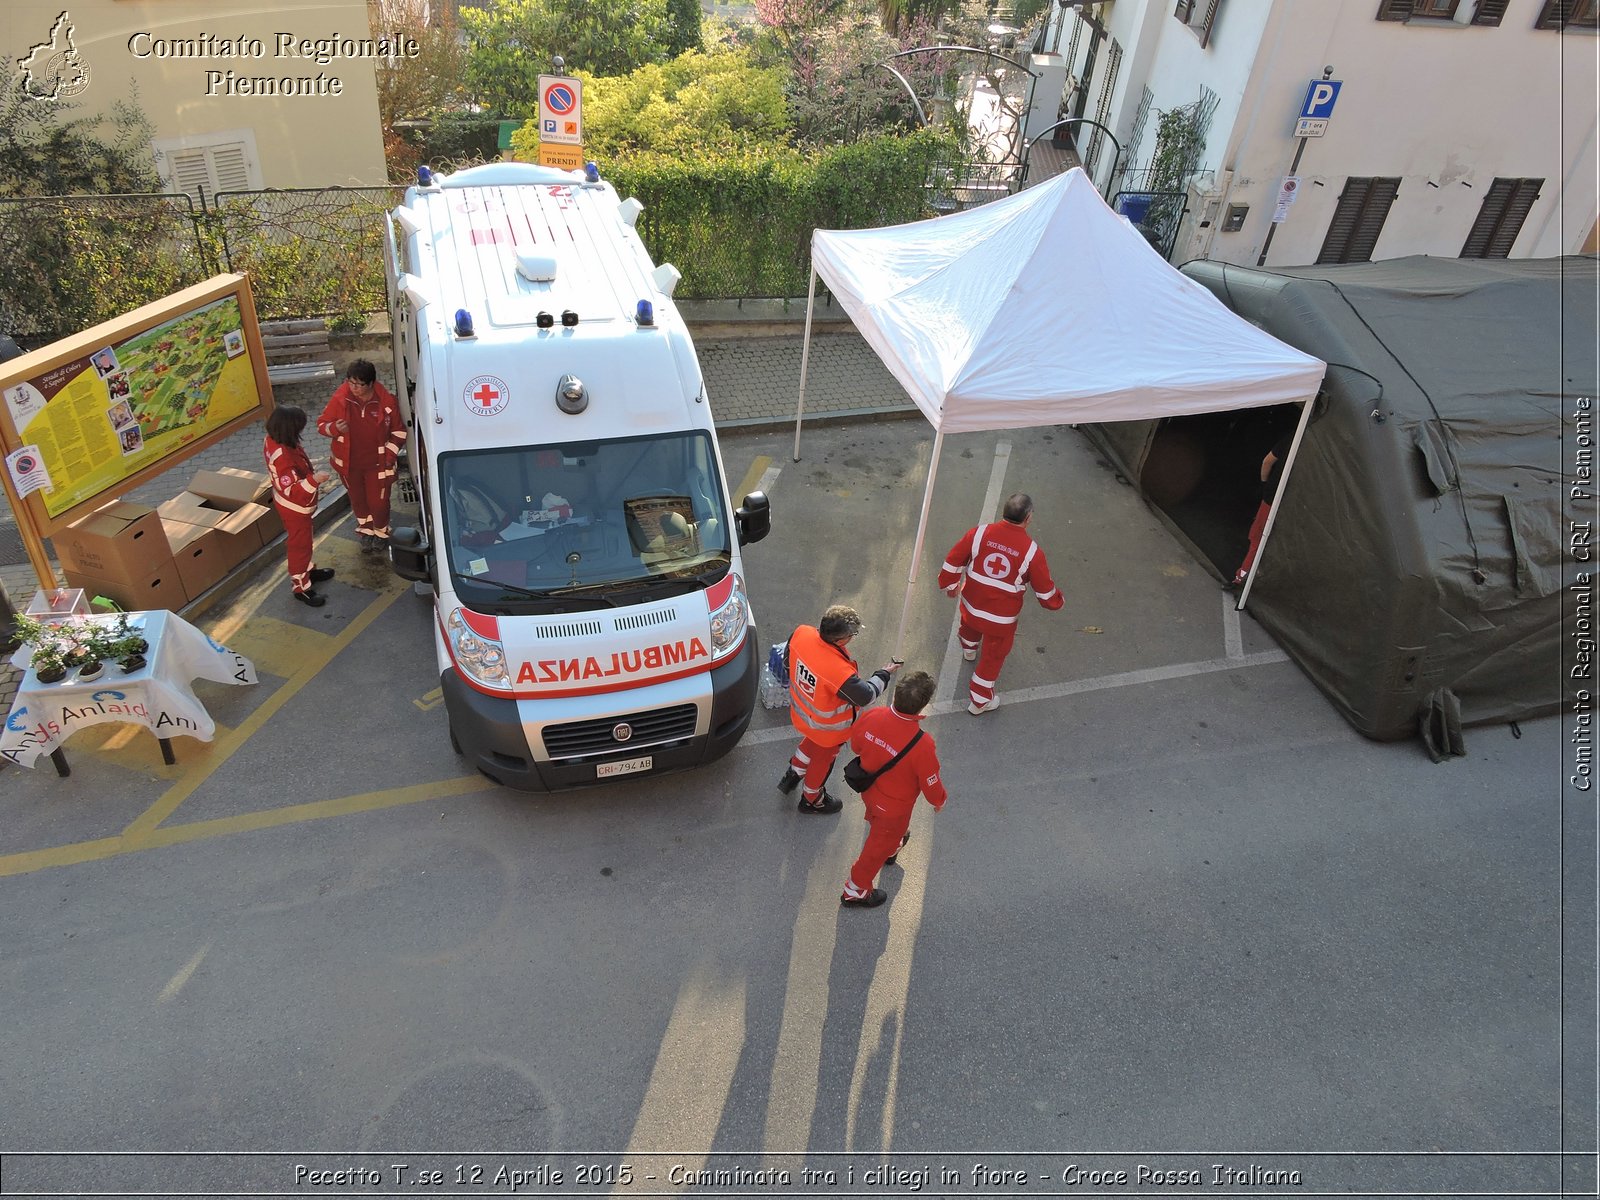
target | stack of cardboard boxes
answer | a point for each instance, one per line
(148, 558)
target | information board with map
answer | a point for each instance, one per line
(101, 412)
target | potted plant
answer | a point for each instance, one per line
(128, 645)
(97, 643)
(48, 648)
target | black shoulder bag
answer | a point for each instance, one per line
(859, 778)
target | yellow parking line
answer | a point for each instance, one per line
(226, 745)
(752, 477)
(173, 835)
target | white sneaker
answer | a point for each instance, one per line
(977, 709)
(970, 655)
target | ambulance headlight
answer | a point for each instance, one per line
(729, 622)
(481, 659)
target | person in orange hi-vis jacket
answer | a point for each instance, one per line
(294, 495)
(366, 436)
(877, 738)
(825, 693)
(992, 566)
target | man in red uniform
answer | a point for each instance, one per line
(877, 738)
(366, 435)
(824, 693)
(998, 562)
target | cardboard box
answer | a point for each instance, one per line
(267, 523)
(198, 553)
(231, 488)
(159, 589)
(239, 530)
(123, 541)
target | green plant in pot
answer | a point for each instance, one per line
(47, 646)
(97, 642)
(130, 640)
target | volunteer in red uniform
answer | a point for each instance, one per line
(366, 435)
(998, 563)
(1271, 476)
(877, 738)
(294, 493)
(824, 693)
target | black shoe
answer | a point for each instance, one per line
(825, 805)
(320, 574)
(889, 862)
(311, 598)
(791, 780)
(871, 900)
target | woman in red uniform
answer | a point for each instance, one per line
(878, 737)
(294, 493)
(366, 434)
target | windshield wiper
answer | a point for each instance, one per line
(515, 587)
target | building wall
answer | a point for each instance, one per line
(175, 58)
(1446, 107)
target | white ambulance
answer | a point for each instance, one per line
(591, 614)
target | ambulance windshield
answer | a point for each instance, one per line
(585, 524)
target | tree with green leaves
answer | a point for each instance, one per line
(685, 18)
(420, 86)
(693, 104)
(46, 151)
(512, 42)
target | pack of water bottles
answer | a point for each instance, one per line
(774, 691)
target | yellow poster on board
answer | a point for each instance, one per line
(118, 404)
(568, 157)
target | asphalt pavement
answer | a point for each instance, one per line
(1176, 918)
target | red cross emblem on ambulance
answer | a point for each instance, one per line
(486, 395)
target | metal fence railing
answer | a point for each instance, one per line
(310, 252)
(74, 261)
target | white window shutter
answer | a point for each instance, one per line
(232, 169)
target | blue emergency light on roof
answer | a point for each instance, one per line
(644, 313)
(568, 317)
(591, 172)
(544, 320)
(424, 176)
(464, 324)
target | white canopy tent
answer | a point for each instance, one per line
(1045, 308)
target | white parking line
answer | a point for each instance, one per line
(1073, 687)
(1232, 637)
(768, 478)
(945, 690)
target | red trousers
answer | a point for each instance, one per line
(369, 500)
(814, 761)
(992, 648)
(297, 539)
(885, 829)
(1256, 528)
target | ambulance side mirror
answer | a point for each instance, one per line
(753, 518)
(409, 554)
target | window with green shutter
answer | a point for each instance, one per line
(1505, 207)
(1363, 207)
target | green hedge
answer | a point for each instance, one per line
(738, 225)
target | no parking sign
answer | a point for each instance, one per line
(560, 109)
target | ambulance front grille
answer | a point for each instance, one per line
(569, 630)
(655, 616)
(583, 739)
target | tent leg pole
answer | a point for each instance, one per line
(916, 550)
(1277, 497)
(805, 358)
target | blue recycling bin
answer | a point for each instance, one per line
(1135, 206)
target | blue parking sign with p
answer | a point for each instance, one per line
(1320, 97)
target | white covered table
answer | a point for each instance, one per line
(157, 695)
